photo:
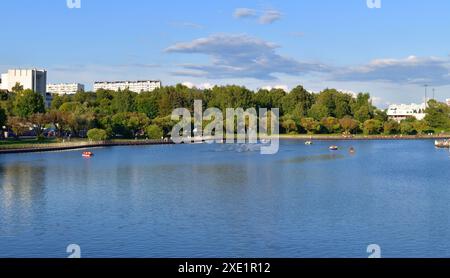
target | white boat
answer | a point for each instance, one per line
(442, 143)
(308, 143)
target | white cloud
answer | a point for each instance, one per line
(244, 13)
(264, 17)
(201, 86)
(270, 16)
(278, 87)
(240, 56)
(411, 70)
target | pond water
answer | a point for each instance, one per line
(228, 201)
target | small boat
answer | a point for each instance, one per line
(87, 154)
(442, 143)
(334, 148)
(308, 143)
(352, 150)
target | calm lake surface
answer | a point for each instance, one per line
(226, 201)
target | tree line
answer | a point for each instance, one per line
(108, 114)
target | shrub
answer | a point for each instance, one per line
(154, 132)
(97, 134)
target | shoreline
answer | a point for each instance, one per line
(364, 137)
(85, 145)
(81, 145)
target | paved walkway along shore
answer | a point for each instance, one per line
(82, 145)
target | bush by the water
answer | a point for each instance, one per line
(97, 134)
(154, 132)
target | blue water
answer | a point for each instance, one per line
(220, 201)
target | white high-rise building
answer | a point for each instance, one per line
(65, 88)
(134, 86)
(448, 101)
(32, 79)
(401, 112)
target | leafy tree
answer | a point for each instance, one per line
(372, 127)
(27, 103)
(406, 127)
(3, 117)
(349, 125)
(18, 88)
(289, 125)
(147, 103)
(38, 122)
(391, 127)
(421, 127)
(154, 132)
(18, 125)
(310, 125)
(318, 112)
(58, 120)
(331, 124)
(165, 123)
(363, 114)
(97, 134)
(438, 115)
(129, 124)
(124, 101)
(299, 100)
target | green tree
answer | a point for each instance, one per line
(18, 88)
(407, 127)
(318, 112)
(28, 103)
(147, 103)
(421, 127)
(298, 100)
(97, 134)
(372, 127)
(38, 122)
(310, 125)
(438, 115)
(124, 101)
(363, 114)
(391, 127)
(289, 125)
(331, 124)
(154, 132)
(3, 118)
(18, 125)
(349, 125)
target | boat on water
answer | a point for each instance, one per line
(442, 143)
(87, 154)
(334, 148)
(308, 143)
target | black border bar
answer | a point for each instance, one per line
(224, 267)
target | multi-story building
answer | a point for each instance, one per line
(448, 101)
(134, 86)
(32, 79)
(65, 88)
(399, 112)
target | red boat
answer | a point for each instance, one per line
(88, 154)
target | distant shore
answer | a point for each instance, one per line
(78, 145)
(364, 137)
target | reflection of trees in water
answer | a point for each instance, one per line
(22, 193)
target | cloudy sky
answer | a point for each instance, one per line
(390, 52)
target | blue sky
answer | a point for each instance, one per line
(390, 52)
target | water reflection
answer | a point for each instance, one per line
(313, 158)
(22, 194)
